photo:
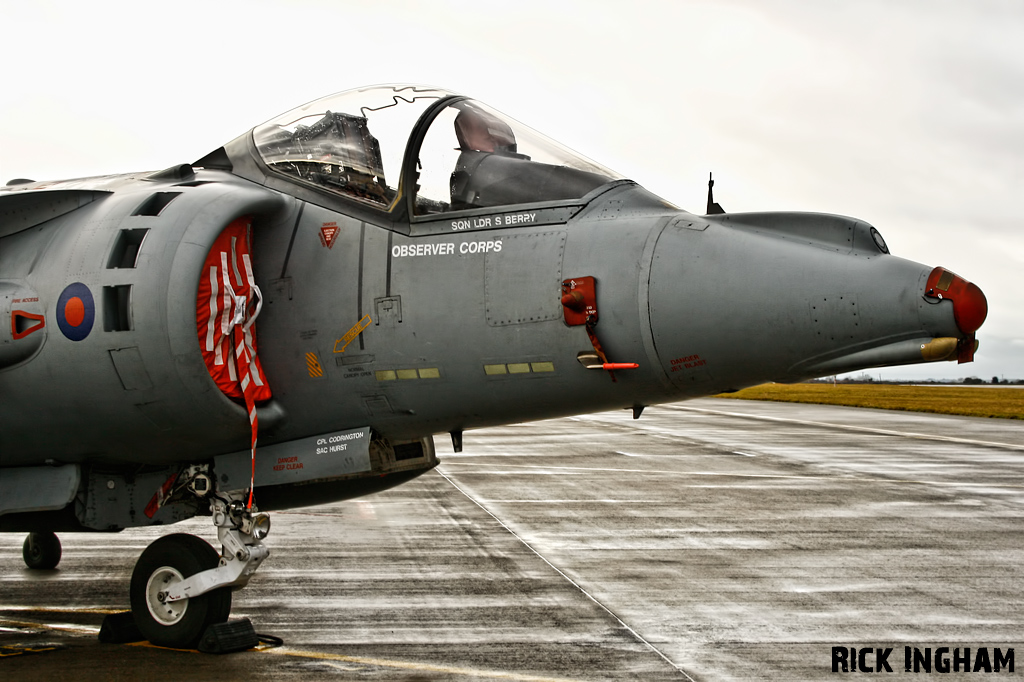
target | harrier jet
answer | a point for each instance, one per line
(289, 320)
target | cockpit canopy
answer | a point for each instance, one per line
(378, 145)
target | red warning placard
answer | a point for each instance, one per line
(328, 233)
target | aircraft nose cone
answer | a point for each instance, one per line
(970, 307)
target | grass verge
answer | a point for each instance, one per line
(970, 401)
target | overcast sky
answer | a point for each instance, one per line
(908, 115)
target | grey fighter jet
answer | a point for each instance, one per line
(290, 319)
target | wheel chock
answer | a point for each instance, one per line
(226, 638)
(120, 628)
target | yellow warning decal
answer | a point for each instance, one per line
(352, 333)
(421, 373)
(313, 364)
(519, 368)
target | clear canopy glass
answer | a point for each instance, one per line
(471, 156)
(351, 142)
(475, 157)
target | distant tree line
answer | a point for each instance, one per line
(868, 379)
(995, 380)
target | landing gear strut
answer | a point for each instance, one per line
(180, 586)
(41, 550)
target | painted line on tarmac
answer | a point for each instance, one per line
(70, 628)
(672, 456)
(541, 467)
(60, 609)
(149, 645)
(7, 651)
(420, 667)
(851, 479)
(572, 582)
(299, 512)
(92, 631)
(849, 427)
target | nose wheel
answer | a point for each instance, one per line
(167, 562)
(41, 550)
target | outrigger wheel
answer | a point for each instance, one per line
(41, 550)
(167, 561)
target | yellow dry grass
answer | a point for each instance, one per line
(971, 401)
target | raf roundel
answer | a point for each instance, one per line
(76, 311)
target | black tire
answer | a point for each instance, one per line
(41, 550)
(178, 625)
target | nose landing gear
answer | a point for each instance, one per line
(181, 586)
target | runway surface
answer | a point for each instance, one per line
(709, 540)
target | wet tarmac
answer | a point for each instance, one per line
(709, 540)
